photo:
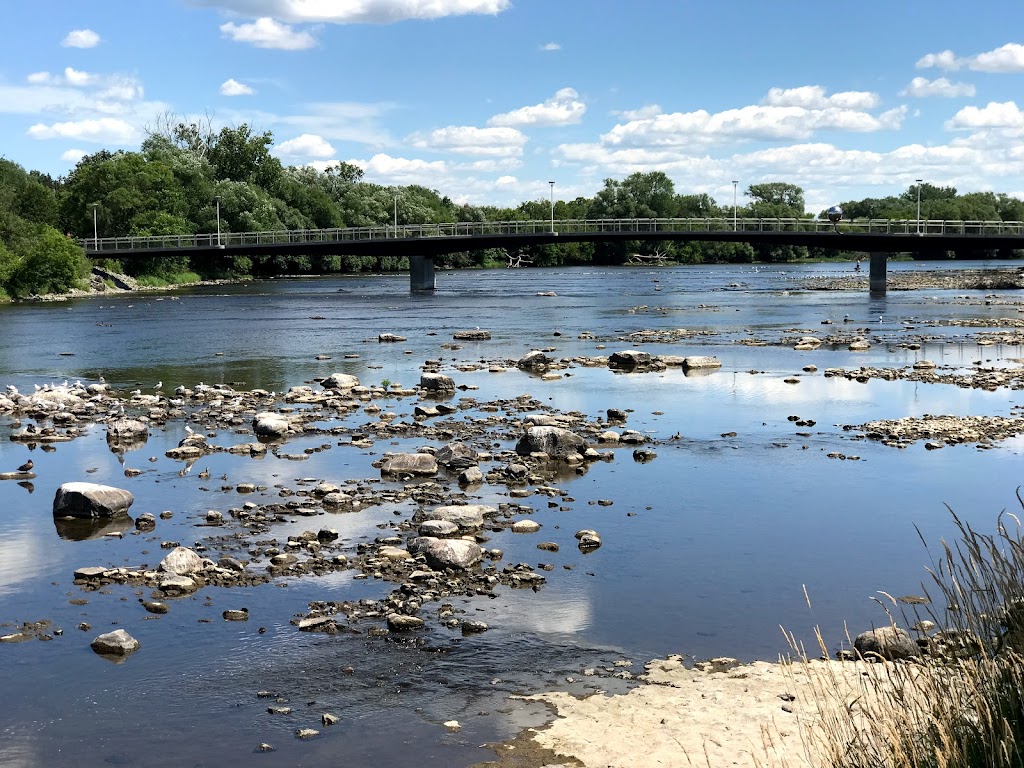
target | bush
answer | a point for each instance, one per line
(53, 263)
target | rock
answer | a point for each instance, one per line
(145, 522)
(232, 614)
(90, 572)
(457, 456)
(394, 554)
(525, 526)
(390, 338)
(409, 464)
(436, 382)
(474, 335)
(616, 414)
(398, 622)
(534, 360)
(465, 516)
(270, 424)
(889, 643)
(439, 529)
(154, 606)
(181, 561)
(318, 624)
(91, 500)
(306, 733)
(629, 358)
(327, 718)
(341, 381)
(126, 429)
(694, 362)
(588, 539)
(459, 554)
(177, 585)
(116, 643)
(453, 725)
(471, 476)
(554, 441)
(473, 627)
(859, 346)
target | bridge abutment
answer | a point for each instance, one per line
(421, 273)
(877, 272)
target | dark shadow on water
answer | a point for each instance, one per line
(83, 529)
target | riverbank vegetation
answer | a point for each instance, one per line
(187, 179)
(960, 702)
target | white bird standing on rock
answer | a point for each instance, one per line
(158, 385)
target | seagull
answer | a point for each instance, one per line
(189, 429)
(27, 466)
(158, 385)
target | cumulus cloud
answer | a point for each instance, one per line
(644, 113)
(551, 47)
(73, 155)
(994, 115)
(470, 140)
(102, 130)
(1006, 58)
(922, 87)
(564, 108)
(306, 145)
(816, 97)
(232, 87)
(361, 12)
(81, 38)
(267, 33)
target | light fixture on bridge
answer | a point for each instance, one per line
(835, 215)
(216, 199)
(396, 215)
(918, 182)
(552, 205)
(95, 228)
(734, 183)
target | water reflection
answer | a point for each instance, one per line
(83, 529)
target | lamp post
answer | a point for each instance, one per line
(918, 182)
(552, 205)
(396, 215)
(95, 229)
(734, 183)
(217, 200)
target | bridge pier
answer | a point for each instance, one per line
(421, 273)
(876, 274)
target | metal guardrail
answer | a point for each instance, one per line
(544, 226)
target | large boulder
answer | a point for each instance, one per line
(342, 381)
(116, 643)
(436, 382)
(889, 643)
(270, 424)
(629, 358)
(126, 429)
(458, 554)
(553, 441)
(466, 516)
(535, 360)
(181, 561)
(457, 456)
(409, 464)
(91, 500)
(700, 362)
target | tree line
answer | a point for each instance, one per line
(184, 172)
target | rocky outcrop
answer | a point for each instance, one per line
(889, 643)
(268, 424)
(458, 554)
(554, 441)
(340, 381)
(409, 464)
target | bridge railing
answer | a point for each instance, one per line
(545, 226)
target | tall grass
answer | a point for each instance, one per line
(961, 703)
(154, 281)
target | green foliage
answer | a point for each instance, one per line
(53, 264)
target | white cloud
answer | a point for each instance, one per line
(232, 87)
(358, 12)
(644, 113)
(1006, 58)
(921, 87)
(470, 140)
(401, 170)
(40, 78)
(564, 108)
(81, 38)
(815, 97)
(267, 33)
(306, 145)
(995, 115)
(506, 180)
(105, 129)
(73, 155)
(74, 77)
(551, 47)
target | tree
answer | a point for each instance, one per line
(53, 264)
(638, 196)
(775, 199)
(238, 155)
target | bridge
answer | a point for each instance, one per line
(422, 243)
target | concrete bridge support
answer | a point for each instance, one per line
(421, 273)
(876, 275)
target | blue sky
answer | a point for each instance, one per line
(487, 101)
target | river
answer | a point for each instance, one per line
(708, 549)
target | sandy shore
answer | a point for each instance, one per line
(715, 715)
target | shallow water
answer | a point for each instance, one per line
(707, 549)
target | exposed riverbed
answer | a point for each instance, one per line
(781, 469)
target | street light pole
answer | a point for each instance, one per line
(552, 205)
(734, 183)
(918, 182)
(95, 229)
(396, 215)
(217, 199)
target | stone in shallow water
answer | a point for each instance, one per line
(116, 643)
(91, 500)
